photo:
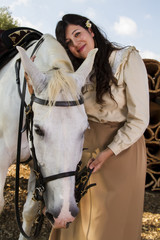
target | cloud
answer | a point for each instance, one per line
(125, 26)
(25, 23)
(17, 3)
(150, 55)
(148, 16)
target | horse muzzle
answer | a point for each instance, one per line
(59, 223)
(63, 220)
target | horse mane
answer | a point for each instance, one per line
(61, 82)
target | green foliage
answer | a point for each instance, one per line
(6, 20)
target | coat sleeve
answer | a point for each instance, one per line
(137, 100)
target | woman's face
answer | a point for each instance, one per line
(79, 41)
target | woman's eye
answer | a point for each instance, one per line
(39, 131)
(76, 34)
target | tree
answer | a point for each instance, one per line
(6, 20)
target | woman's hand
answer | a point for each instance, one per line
(100, 159)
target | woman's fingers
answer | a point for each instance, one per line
(90, 162)
(97, 163)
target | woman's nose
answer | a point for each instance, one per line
(75, 43)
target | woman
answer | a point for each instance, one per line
(117, 103)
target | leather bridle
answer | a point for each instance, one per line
(29, 118)
(40, 180)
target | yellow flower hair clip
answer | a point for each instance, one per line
(88, 24)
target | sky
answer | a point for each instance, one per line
(125, 22)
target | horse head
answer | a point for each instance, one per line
(58, 131)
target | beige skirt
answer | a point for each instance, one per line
(112, 210)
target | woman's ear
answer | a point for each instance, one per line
(91, 32)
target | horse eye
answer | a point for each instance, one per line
(38, 130)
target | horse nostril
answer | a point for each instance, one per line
(67, 224)
(50, 217)
(74, 211)
(56, 212)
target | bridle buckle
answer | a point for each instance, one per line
(28, 109)
(37, 174)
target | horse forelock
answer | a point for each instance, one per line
(63, 83)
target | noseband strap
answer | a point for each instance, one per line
(58, 176)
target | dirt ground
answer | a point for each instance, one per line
(8, 225)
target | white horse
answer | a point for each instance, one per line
(57, 131)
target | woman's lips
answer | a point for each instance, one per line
(81, 49)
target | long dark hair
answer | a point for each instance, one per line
(102, 68)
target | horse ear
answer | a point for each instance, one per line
(86, 67)
(37, 78)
